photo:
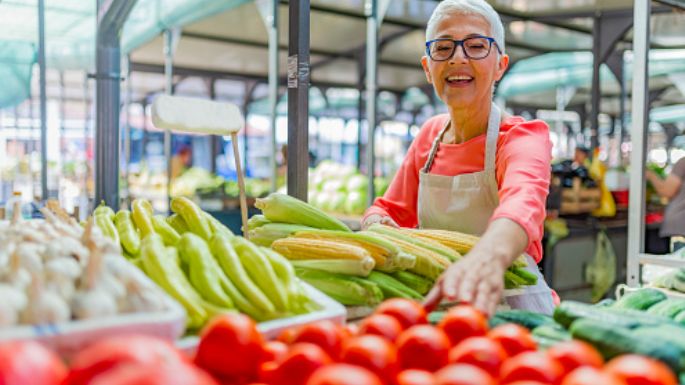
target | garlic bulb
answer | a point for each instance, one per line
(142, 299)
(44, 306)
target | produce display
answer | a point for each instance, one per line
(672, 280)
(397, 345)
(342, 189)
(643, 322)
(54, 271)
(197, 181)
(365, 267)
(202, 265)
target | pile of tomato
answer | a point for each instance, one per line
(397, 346)
(394, 346)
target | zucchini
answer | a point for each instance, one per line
(552, 331)
(435, 317)
(527, 319)
(570, 311)
(495, 321)
(544, 342)
(642, 299)
(668, 308)
(528, 277)
(674, 334)
(612, 341)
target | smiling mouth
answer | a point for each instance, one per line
(459, 79)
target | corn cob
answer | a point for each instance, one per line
(347, 290)
(266, 234)
(391, 287)
(416, 282)
(422, 242)
(256, 221)
(459, 242)
(429, 264)
(325, 255)
(284, 208)
(388, 257)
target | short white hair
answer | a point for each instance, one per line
(467, 7)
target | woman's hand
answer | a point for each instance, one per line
(377, 218)
(477, 279)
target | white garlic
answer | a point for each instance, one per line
(93, 304)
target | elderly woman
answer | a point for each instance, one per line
(477, 169)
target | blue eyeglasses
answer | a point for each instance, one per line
(476, 47)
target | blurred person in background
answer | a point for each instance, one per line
(671, 188)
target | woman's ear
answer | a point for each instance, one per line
(502, 66)
(424, 64)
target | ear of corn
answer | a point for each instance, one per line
(428, 263)
(348, 290)
(256, 221)
(325, 255)
(391, 287)
(267, 233)
(406, 235)
(360, 268)
(286, 209)
(388, 257)
(421, 285)
(459, 242)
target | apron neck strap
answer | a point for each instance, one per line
(491, 138)
(490, 141)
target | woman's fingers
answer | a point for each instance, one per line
(432, 299)
(389, 222)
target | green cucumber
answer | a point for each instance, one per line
(642, 299)
(528, 277)
(527, 319)
(612, 341)
(668, 308)
(552, 331)
(570, 311)
(606, 302)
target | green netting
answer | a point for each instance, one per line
(16, 63)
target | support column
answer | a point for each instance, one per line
(43, 103)
(640, 120)
(298, 98)
(171, 37)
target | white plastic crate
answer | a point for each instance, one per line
(329, 310)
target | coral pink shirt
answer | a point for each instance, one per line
(522, 169)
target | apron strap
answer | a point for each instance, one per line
(434, 148)
(491, 138)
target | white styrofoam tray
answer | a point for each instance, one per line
(329, 309)
(67, 338)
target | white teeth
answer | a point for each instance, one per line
(459, 77)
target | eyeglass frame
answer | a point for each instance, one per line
(458, 43)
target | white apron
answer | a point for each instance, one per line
(466, 202)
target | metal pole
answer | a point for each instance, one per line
(372, 26)
(273, 90)
(298, 98)
(640, 114)
(111, 18)
(168, 89)
(127, 126)
(43, 102)
(595, 97)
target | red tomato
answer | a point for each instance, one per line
(326, 334)
(351, 330)
(343, 374)
(408, 312)
(423, 347)
(463, 374)
(374, 353)
(462, 322)
(231, 346)
(530, 383)
(481, 352)
(274, 351)
(287, 336)
(588, 375)
(573, 354)
(513, 338)
(639, 370)
(297, 366)
(117, 351)
(29, 362)
(268, 371)
(415, 377)
(532, 366)
(383, 325)
(153, 374)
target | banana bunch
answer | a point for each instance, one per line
(203, 265)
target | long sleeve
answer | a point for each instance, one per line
(523, 175)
